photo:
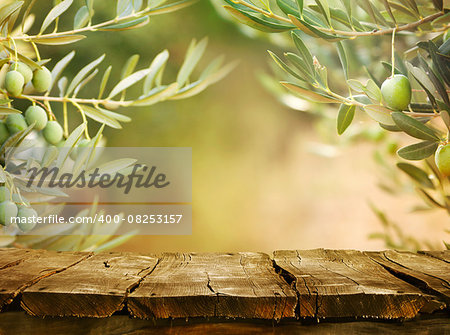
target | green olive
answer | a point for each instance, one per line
(25, 215)
(79, 148)
(42, 79)
(53, 132)
(396, 92)
(4, 193)
(36, 115)
(14, 82)
(442, 158)
(24, 70)
(16, 123)
(4, 132)
(8, 210)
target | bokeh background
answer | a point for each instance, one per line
(265, 176)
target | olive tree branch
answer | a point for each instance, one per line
(405, 27)
(348, 101)
(116, 20)
(46, 98)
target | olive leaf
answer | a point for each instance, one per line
(131, 24)
(116, 241)
(309, 95)
(83, 73)
(301, 66)
(372, 90)
(130, 66)
(7, 11)
(81, 17)
(70, 142)
(285, 67)
(101, 116)
(212, 74)
(58, 40)
(8, 110)
(304, 51)
(84, 82)
(380, 114)
(324, 9)
(56, 11)
(104, 81)
(311, 30)
(343, 58)
(416, 174)
(345, 117)
(257, 22)
(356, 85)
(156, 95)
(290, 7)
(128, 81)
(59, 67)
(156, 68)
(413, 127)
(418, 151)
(193, 55)
(170, 7)
(31, 63)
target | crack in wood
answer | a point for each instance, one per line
(136, 285)
(313, 284)
(289, 278)
(38, 279)
(444, 282)
(440, 255)
(410, 279)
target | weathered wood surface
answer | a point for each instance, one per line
(443, 255)
(429, 273)
(311, 284)
(24, 269)
(96, 287)
(242, 285)
(348, 283)
(13, 323)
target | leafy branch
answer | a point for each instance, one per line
(322, 21)
(129, 15)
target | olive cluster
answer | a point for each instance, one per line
(20, 74)
(11, 207)
(36, 116)
(17, 77)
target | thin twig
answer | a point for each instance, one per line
(409, 26)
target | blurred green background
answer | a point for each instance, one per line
(258, 180)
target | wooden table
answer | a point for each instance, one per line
(224, 292)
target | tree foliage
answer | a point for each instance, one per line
(20, 40)
(420, 49)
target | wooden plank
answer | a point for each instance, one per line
(429, 273)
(96, 287)
(33, 268)
(347, 283)
(443, 255)
(11, 257)
(241, 285)
(13, 323)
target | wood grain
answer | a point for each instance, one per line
(96, 287)
(242, 285)
(12, 257)
(443, 255)
(428, 273)
(28, 268)
(310, 284)
(347, 283)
